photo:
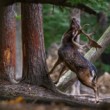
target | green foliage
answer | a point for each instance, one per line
(18, 17)
(56, 19)
(56, 23)
(95, 4)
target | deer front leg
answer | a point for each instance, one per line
(77, 44)
(57, 63)
(79, 47)
(64, 68)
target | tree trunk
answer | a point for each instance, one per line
(75, 13)
(7, 43)
(34, 63)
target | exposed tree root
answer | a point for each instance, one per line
(35, 93)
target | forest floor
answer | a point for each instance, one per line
(20, 104)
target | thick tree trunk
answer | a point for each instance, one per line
(7, 43)
(34, 64)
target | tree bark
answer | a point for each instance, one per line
(7, 43)
(34, 63)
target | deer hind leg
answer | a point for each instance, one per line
(55, 65)
(96, 94)
(64, 68)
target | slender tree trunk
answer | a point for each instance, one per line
(75, 13)
(7, 43)
(34, 64)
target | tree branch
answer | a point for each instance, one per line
(64, 3)
(92, 55)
